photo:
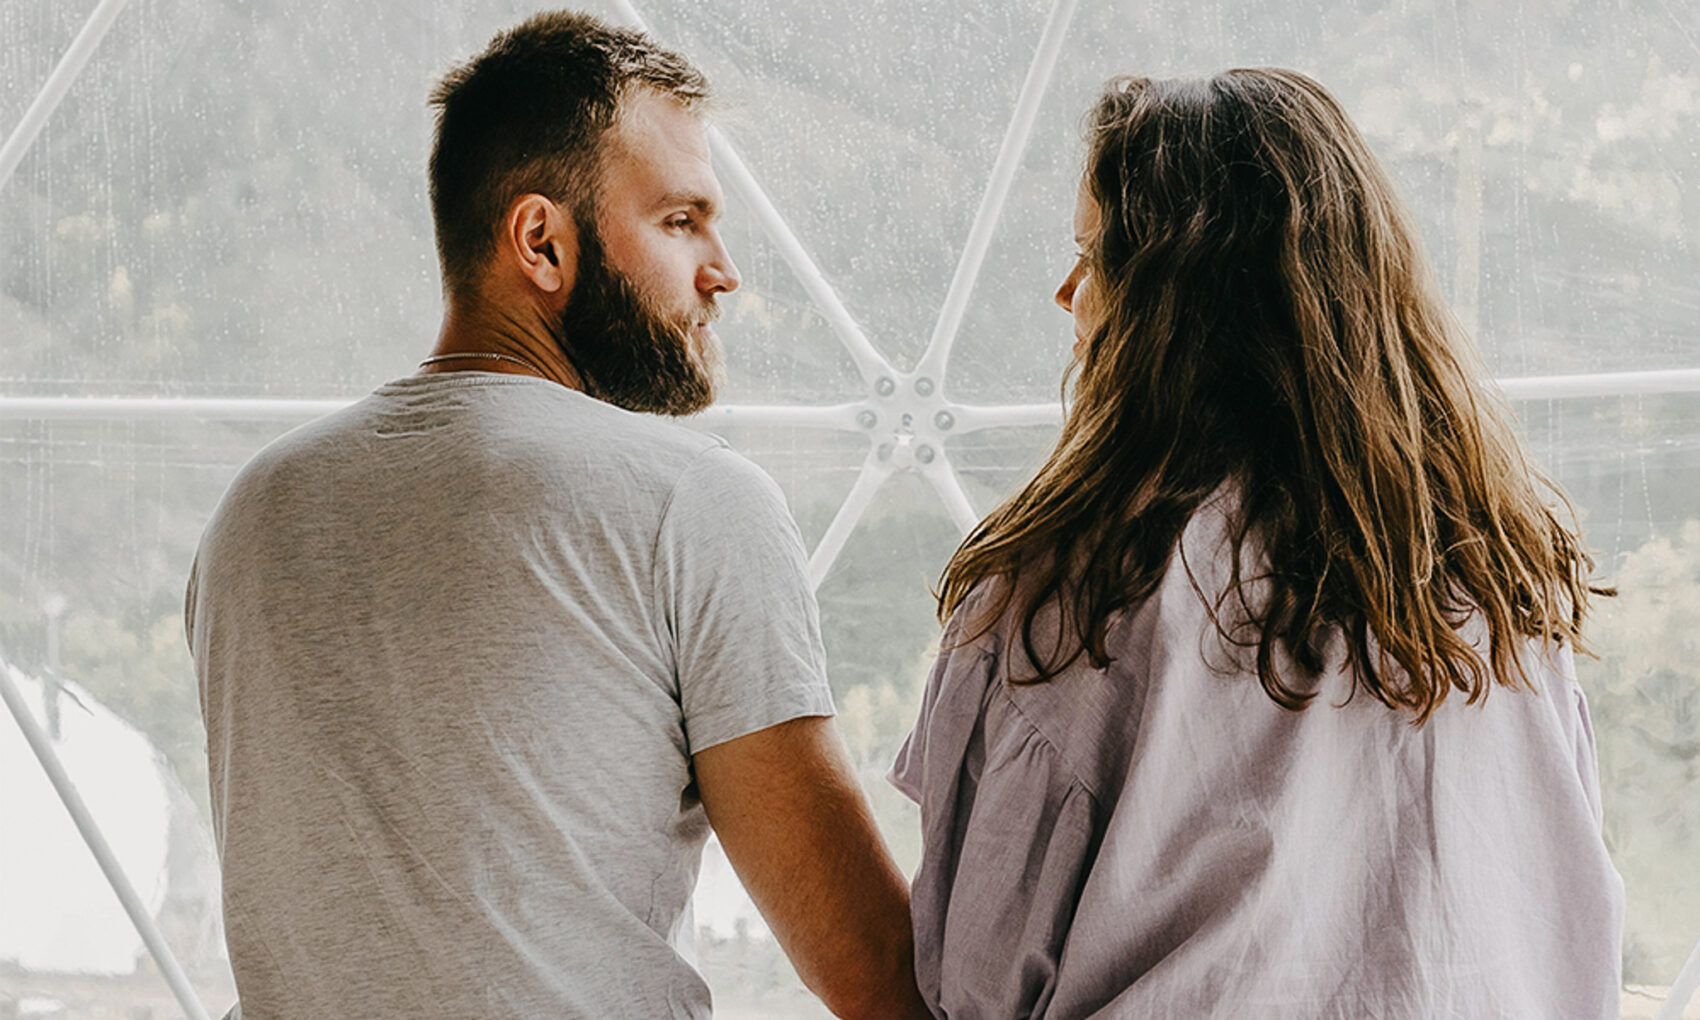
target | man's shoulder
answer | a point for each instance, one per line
(524, 440)
(548, 418)
(719, 485)
(510, 420)
(665, 444)
(297, 447)
(561, 423)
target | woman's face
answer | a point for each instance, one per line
(1079, 294)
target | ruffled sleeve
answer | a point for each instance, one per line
(957, 673)
(1008, 837)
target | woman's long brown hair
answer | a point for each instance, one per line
(1270, 321)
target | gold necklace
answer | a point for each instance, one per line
(485, 355)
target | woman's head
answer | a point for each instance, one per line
(1252, 306)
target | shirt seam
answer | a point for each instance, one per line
(670, 640)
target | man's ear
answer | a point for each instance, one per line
(540, 240)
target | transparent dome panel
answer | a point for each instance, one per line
(1632, 465)
(996, 462)
(1543, 158)
(230, 203)
(815, 467)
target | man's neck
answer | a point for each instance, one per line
(474, 333)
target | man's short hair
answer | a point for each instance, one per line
(527, 116)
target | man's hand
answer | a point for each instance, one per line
(796, 827)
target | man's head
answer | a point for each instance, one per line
(570, 176)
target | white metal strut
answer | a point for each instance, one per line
(58, 83)
(42, 745)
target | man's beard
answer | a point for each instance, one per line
(627, 351)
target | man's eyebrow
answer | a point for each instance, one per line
(704, 205)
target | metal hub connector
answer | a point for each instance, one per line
(908, 418)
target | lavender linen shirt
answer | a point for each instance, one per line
(1160, 839)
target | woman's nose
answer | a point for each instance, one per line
(1064, 297)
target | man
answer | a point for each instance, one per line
(483, 656)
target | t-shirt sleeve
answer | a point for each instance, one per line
(732, 580)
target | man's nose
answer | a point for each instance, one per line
(719, 275)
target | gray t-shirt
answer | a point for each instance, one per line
(1160, 839)
(456, 645)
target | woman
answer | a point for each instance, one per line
(1258, 700)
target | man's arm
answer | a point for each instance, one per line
(796, 827)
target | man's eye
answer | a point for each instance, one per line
(678, 222)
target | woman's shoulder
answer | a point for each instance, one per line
(1088, 716)
(1077, 726)
(976, 713)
